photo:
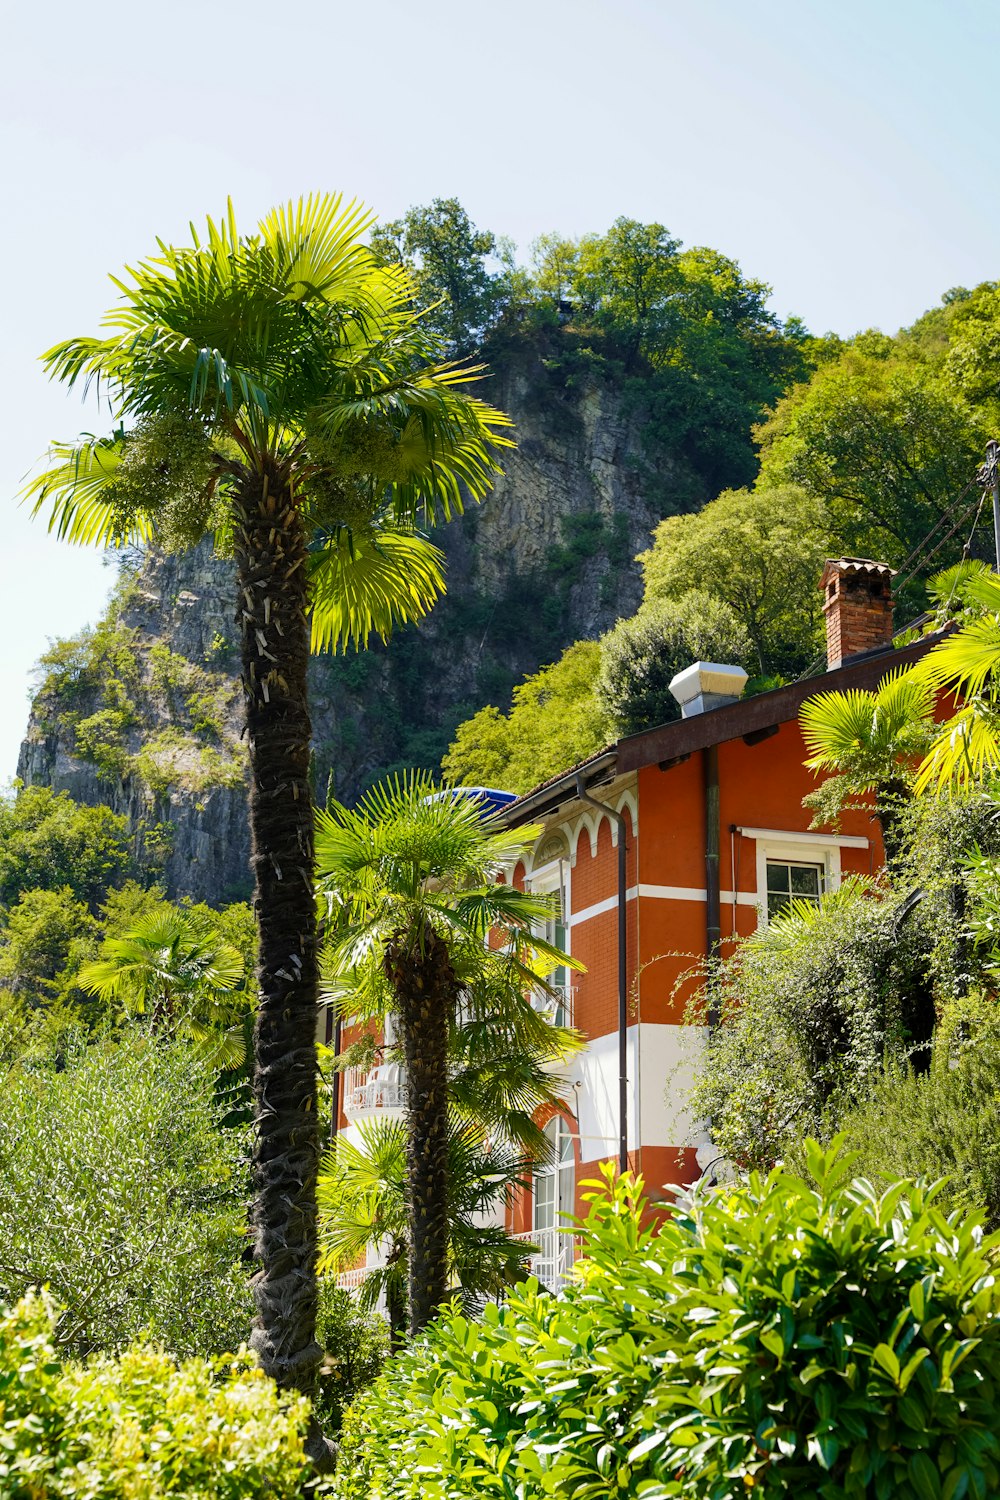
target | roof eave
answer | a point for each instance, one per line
(668, 744)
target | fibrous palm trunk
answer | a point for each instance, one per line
(274, 630)
(420, 971)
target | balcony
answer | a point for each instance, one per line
(558, 1003)
(551, 1265)
(382, 1089)
(553, 1261)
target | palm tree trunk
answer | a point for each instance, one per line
(396, 1302)
(891, 798)
(423, 980)
(274, 631)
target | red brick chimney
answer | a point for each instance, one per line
(857, 602)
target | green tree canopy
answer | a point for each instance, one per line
(458, 271)
(760, 552)
(882, 440)
(555, 720)
(640, 657)
(47, 936)
(626, 279)
(48, 841)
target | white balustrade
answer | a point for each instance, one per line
(554, 1257)
(350, 1281)
(382, 1088)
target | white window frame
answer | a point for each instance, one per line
(549, 879)
(786, 847)
(562, 1174)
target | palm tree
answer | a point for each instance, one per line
(184, 978)
(363, 1205)
(278, 391)
(870, 741)
(420, 909)
(966, 748)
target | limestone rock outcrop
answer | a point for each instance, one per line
(547, 559)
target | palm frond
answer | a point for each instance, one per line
(800, 916)
(965, 751)
(970, 659)
(867, 734)
(79, 490)
(361, 586)
(315, 245)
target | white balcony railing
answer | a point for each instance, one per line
(559, 1003)
(383, 1088)
(554, 1258)
(350, 1281)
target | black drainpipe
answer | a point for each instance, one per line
(585, 796)
(713, 910)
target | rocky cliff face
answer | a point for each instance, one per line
(144, 713)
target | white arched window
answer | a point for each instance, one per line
(555, 1182)
(552, 1208)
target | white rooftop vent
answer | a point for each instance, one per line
(707, 684)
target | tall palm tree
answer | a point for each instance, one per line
(420, 907)
(871, 741)
(505, 1066)
(277, 390)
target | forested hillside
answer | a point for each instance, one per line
(661, 410)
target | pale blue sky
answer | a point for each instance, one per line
(844, 152)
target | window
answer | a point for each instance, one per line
(552, 930)
(554, 1184)
(792, 880)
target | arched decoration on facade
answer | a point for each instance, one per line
(590, 823)
(551, 847)
(628, 802)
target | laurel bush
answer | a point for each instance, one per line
(787, 1337)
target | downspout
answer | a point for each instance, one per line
(713, 909)
(618, 818)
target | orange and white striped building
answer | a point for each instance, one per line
(665, 849)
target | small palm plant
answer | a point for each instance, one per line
(185, 979)
(277, 391)
(871, 742)
(966, 748)
(363, 1206)
(420, 908)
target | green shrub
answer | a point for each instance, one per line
(101, 739)
(121, 1193)
(812, 1007)
(355, 1345)
(142, 1426)
(942, 1124)
(642, 654)
(778, 1338)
